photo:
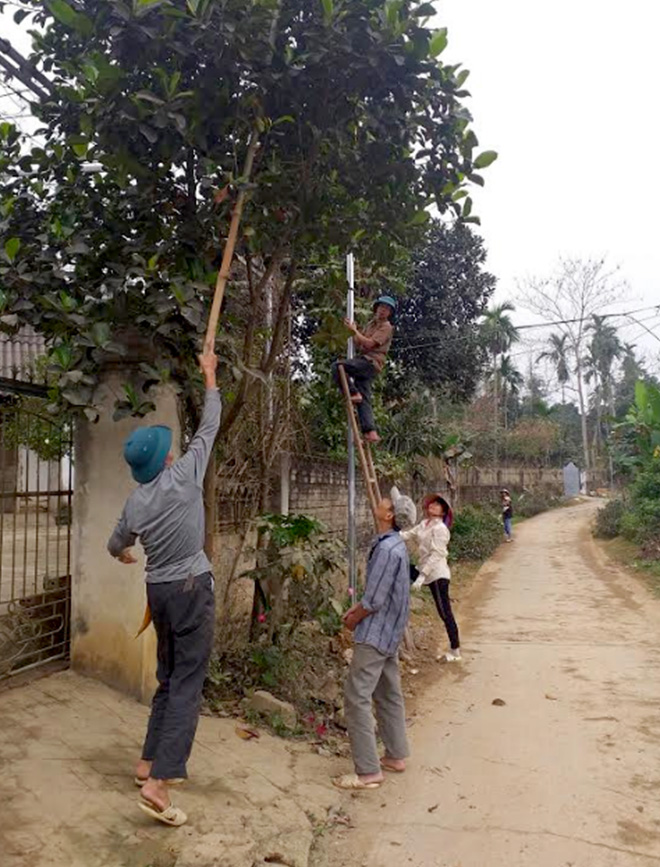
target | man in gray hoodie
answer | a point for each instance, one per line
(166, 513)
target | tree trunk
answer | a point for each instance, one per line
(496, 388)
(583, 416)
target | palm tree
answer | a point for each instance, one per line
(604, 348)
(498, 334)
(511, 380)
(557, 355)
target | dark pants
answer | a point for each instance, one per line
(183, 614)
(360, 373)
(440, 591)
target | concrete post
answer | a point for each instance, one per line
(108, 598)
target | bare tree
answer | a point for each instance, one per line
(569, 298)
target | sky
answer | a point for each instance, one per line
(567, 93)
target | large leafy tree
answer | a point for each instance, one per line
(360, 127)
(571, 296)
(438, 340)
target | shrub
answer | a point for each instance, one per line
(476, 533)
(650, 548)
(608, 520)
(533, 502)
(642, 519)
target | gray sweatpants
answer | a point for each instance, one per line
(374, 676)
(183, 614)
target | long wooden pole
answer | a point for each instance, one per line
(218, 295)
(228, 255)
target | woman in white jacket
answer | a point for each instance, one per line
(432, 537)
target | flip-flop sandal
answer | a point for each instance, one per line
(170, 816)
(175, 781)
(390, 769)
(353, 782)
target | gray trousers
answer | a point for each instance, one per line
(374, 677)
(183, 614)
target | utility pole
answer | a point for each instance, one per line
(352, 535)
(16, 66)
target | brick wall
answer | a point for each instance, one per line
(319, 487)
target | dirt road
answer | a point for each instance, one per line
(566, 773)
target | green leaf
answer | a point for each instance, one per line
(149, 97)
(101, 334)
(68, 16)
(7, 206)
(142, 7)
(462, 77)
(328, 10)
(149, 133)
(12, 246)
(426, 10)
(485, 159)
(438, 42)
(392, 12)
(174, 83)
(80, 150)
(420, 218)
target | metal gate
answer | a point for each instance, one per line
(36, 489)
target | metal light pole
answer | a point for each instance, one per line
(352, 540)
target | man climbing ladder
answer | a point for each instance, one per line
(372, 348)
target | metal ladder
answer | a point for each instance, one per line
(363, 448)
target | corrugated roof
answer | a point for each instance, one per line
(19, 352)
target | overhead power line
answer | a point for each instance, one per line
(583, 318)
(400, 340)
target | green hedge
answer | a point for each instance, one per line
(476, 533)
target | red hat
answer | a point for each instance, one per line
(449, 512)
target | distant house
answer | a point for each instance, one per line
(21, 469)
(19, 354)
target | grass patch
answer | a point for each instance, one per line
(627, 554)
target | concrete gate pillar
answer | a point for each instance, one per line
(108, 598)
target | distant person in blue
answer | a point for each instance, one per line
(379, 621)
(507, 514)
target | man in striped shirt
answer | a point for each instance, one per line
(379, 621)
